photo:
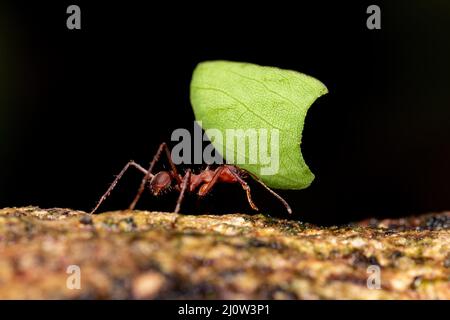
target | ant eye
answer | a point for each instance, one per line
(160, 182)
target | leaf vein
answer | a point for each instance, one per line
(265, 86)
(240, 102)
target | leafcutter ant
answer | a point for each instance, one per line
(200, 183)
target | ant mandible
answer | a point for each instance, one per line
(201, 183)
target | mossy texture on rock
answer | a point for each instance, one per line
(155, 255)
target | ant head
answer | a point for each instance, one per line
(160, 182)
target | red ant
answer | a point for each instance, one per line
(201, 183)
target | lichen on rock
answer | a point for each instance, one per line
(156, 255)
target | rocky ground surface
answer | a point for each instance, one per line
(154, 255)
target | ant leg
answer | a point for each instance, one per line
(276, 195)
(244, 184)
(186, 181)
(246, 187)
(131, 163)
(162, 147)
(173, 167)
(213, 181)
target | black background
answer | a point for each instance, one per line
(76, 105)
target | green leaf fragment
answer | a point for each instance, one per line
(231, 95)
